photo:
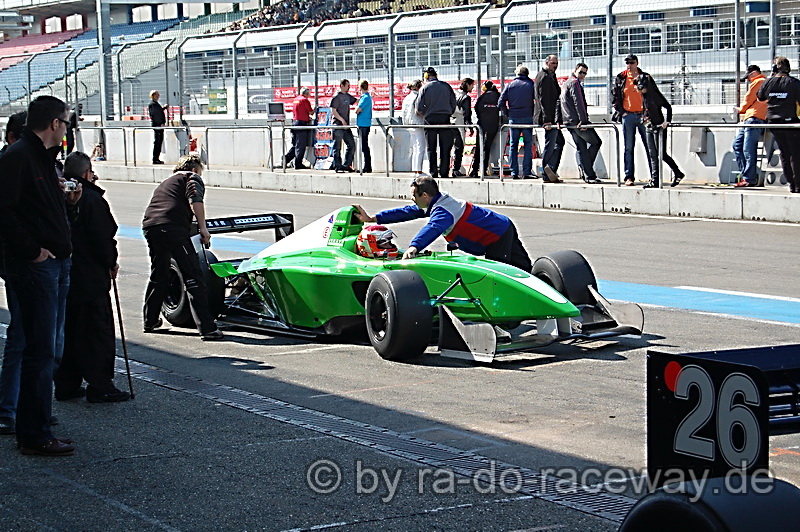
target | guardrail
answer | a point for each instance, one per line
(561, 126)
(356, 156)
(265, 128)
(105, 145)
(150, 128)
(478, 145)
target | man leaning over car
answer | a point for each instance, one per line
(476, 230)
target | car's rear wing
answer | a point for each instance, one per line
(283, 224)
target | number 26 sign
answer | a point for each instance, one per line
(706, 414)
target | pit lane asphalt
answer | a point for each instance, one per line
(175, 461)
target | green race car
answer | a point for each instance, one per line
(312, 282)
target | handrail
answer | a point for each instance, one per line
(124, 139)
(561, 126)
(237, 128)
(145, 128)
(478, 146)
(314, 128)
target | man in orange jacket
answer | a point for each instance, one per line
(745, 144)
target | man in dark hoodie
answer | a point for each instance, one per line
(516, 102)
(36, 234)
(782, 93)
(489, 120)
(656, 125)
(89, 343)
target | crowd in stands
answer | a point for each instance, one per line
(318, 11)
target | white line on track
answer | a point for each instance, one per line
(721, 315)
(736, 293)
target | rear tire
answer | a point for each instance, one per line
(399, 314)
(569, 273)
(176, 308)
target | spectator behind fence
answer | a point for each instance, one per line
(436, 103)
(745, 145)
(547, 113)
(782, 93)
(488, 115)
(89, 342)
(74, 118)
(629, 109)
(656, 124)
(461, 116)
(364, 121)
(410, 118)
(157, 119)
(340, 109)
(517, 102)
(575, 113)
(301, 138)
(474, 229)
(37, 249)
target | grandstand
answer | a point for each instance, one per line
(143, 43)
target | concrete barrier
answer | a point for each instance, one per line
(731, 204)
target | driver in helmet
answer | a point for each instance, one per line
(375, 242)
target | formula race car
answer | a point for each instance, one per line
(334, 275)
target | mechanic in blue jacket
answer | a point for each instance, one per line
(476, 230)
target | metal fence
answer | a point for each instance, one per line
(696, 53)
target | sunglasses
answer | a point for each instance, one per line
(630, 62)
(582, 72)
(65, 122)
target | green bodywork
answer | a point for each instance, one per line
(315, 275)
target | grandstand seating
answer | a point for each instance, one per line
(45, 69)
(148, 55)
(32, 44)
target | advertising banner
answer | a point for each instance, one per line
(217, 101)
(323, 140)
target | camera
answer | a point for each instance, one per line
(70, 186)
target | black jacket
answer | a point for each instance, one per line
(33, 210)
(170, 204)
(94, 247)
(653, 102)
(783, 95)
(547, 109)
(617, 93)
(487, 110)
(157, 116)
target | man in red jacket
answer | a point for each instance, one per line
(301, 138)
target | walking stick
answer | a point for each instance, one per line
(122, 335)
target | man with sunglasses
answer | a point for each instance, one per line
(629, 108)
(37, 249)
(473, 229)
(574, 112)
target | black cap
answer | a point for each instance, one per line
(750, 70)
(430, 71)
(631, 57)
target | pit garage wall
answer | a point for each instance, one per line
(237, 159)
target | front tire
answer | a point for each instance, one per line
(399, 314)
(176, 308)
(569, 273)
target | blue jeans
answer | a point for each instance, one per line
(553, 146)
(745, 146)
(527, 149)
(12, 358)
(41, 289)
(631, 123)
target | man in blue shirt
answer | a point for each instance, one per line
(476, 230)
(364, 121)
(516, 102)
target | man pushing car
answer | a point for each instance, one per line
(474, 229)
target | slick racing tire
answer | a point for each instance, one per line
(176, 307)
(569, 273)
(399, 314)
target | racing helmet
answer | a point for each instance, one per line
(375, 242)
